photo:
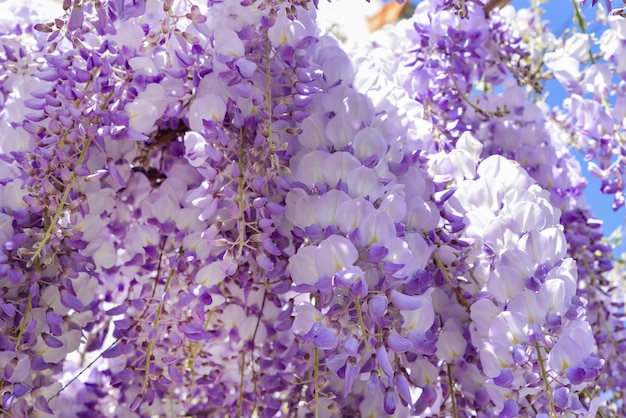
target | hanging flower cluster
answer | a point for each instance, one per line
(213, 210)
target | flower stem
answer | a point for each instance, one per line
(544, 376)
(581, 24)
(316, 361)
(154, 325)
(241, 186)
(118, 339)
(361, 323)
(590, 397)
(579, 17)
(57, 214)
(195, 349)
(452, 396)
(23, 323)
(268, 86)
(458, 294)
(241, 378)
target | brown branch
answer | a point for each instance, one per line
(390, 13)
(492, 4)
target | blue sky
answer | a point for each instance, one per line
(560, 15)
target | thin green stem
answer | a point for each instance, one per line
(195, 349)
(444, 271)
(57, 214)
(154, 325)
(241, 378)
(316, 388)
(497, 113)
(579, 16)
(241, 192)
(22, 329)
(581, 24)
(362, 323)
(243, 357)
(590, 397)
(147, 364)
(452, 396)
(66, 193)
(544, 376)
(268, 87)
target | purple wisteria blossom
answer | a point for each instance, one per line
(213, 209)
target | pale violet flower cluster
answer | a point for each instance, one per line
(527, 322)
(360, 207)
(523, 134)
(212, 209)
